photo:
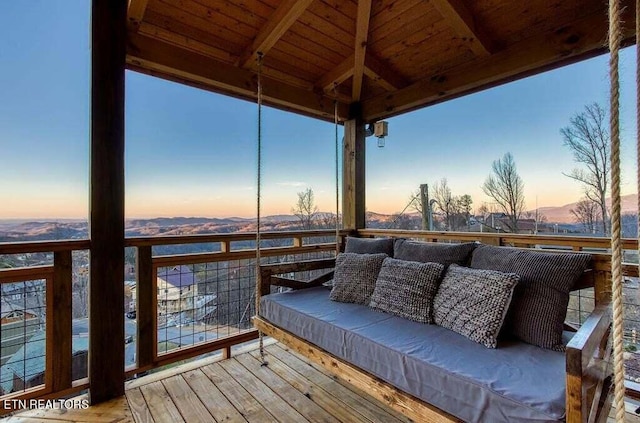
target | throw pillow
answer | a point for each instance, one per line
(540, 300)
(474, 302)
(434, 252)
(355, 277)
(369, 245)
(406, 289)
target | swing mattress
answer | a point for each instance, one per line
(516, 382)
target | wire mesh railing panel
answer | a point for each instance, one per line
(23, 341)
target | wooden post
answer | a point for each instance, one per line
(145, 308)
(353, 177)
(424, 202)
(61, 348)
(106, 220)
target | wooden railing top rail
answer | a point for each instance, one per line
(230, 237)
(492, 238)
(24, 247)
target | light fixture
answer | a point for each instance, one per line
(381, 130)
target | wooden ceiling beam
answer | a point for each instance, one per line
(337, 75)
(570, 43)
(362, 34)
(280, 21)
(135, 13)
(156, 57)
(461, 20)
(382, 74)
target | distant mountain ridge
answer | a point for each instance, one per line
(562, 214)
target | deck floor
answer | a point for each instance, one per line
(289, 389)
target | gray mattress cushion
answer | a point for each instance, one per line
(517, 382)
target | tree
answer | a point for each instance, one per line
(446, 203)
(305, 209)
(586, 213)
(588, 139)
(506, 188)
(465, 202)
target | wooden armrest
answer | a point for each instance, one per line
(582, 346)
(268, 271)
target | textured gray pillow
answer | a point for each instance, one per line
(433, 252)
(406, 289)
(355, 277)
(369, 245)
(474, 302)
(540, 300)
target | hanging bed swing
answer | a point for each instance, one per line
(431, 373)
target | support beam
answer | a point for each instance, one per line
(135, 13)
(280, 21)
(461, 20)
(106, 220)
(156, 57)
(362, 34)
(337, 75)
(353, 177)
(567, 44)
(382, 74)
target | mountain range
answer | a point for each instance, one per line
(21, 230)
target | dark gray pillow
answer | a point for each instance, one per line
(540, 300)
(433, 252)
(369, 245)
(406, 289)
(355, 277)
(474, 302)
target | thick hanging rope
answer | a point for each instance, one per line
(615, 36)
(259, 205)
(335, 121)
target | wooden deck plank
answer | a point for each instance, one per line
(252, 410)
(112, 411)
(300, 402)
(340, 408)
(262, 393)
(186, 401)
(369, 407)
(214, 400)
(138, 406)
(160, 403)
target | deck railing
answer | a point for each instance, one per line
(209, 312)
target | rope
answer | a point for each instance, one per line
(615, 36)
(259, 205)
(335, 121)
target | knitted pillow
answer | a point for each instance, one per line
(406, 289)
(474, 302)
(540, 300)
(369, 245)
(355, 277)
(433, 252)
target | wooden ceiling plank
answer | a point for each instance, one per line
(462, 21)
(165, 59)
(572, 42)
(185, 42)
(337, 75)
(362, 34)
(383, 74)
(280, 21)
(135, 13)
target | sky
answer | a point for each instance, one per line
(193, 153)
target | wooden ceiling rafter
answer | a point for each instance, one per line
(135, 13)
(151, 55)
(568, 44)
(463, 23)
(362, 34)
(280, 21)
(383, 74)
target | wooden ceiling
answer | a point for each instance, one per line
(380, 58)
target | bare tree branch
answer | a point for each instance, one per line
(507, 189)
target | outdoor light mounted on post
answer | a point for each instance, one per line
(381, 130)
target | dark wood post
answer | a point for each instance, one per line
(106, 220)
(353, 176)
(61, 347)
(145, 309)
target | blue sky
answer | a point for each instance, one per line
(191, 152)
